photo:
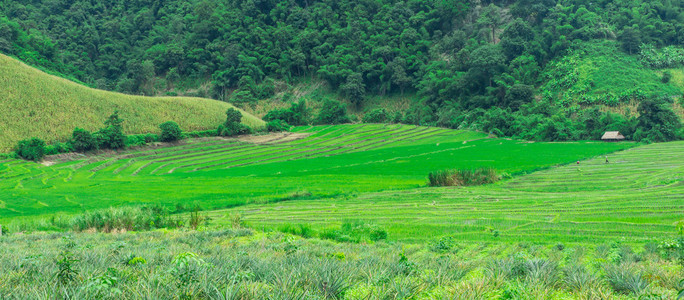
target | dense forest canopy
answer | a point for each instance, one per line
(472, 63)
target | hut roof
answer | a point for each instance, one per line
(612, 135)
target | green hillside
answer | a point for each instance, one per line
(599, 74)
(35, 104)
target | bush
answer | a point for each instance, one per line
(332, 112)
(463, 177)
(277, 126)
(170, 132)
(31, 149)
(354, 232)
(141, 139)
(667, 76)
(58, 148)
(125, 218)
(197, 134)
(83, 140)
(624, 280)
(297, 114)
(378, 115)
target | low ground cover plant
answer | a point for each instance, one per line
(463, 177)
(244, 264)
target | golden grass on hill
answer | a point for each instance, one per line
(35, 104)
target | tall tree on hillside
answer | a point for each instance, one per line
(492, 17)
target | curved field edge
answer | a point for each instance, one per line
(36, 104)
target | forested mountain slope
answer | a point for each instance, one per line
(35, 104)
(497, 66)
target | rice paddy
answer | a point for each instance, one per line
(314, 162)
(637, 196)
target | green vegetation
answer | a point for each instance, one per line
(409, 149)
(523, 69)
(326, 161)
(243, 264)
(32, 149)
(357, 228)
(634, 198)
(170, 132)
(463, 177)
(232, 126)
(49, 108)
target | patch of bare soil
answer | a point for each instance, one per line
(271, 138)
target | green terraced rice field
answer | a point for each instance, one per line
(324, 163)
(637, 197)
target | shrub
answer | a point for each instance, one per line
(667, 76)
(463, 177)
(58, 148)
(277, 125)
(31, 149)
(297, 114)
(136, 140)
(125, 218)
(197, 134)
(378, 115)
(354, 232)
(83, 140)
(332, 112)
(170, 132)
(624, 280)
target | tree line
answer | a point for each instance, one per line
(458, 56)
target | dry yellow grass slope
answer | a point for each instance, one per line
(35, 104)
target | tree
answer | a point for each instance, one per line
(232, 126)
(332, 112)
(518, 95)
(657, 122)
(354, 88)
(487, 60)
(516, 37)
(492, 17)
(630, 40)
(31, 149)
(112, 136)
(170, 132)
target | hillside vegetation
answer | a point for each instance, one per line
(35, 104)
(484, 65)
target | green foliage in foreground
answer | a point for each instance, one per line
(244, 264)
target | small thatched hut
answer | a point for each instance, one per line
(612, 136)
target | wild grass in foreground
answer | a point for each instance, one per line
(241, 263)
